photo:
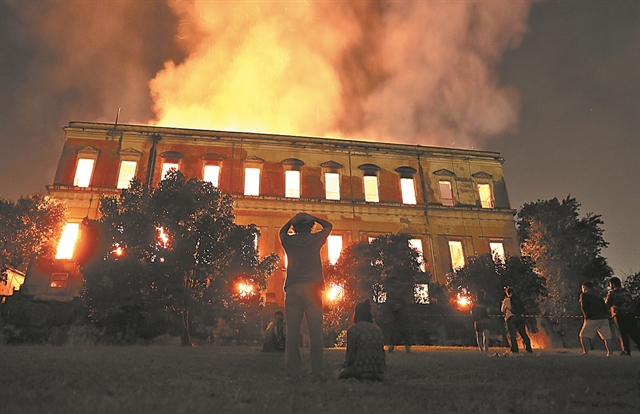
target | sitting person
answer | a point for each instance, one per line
(365, 357)
(275, 336)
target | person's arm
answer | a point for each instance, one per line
(285, 228)
(326, 226)
(351, 349)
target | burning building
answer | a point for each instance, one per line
(453, 202)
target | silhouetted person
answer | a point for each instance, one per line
(481, 322)
(400, 325)
(275, 334)
(513, 310)
(596, 318)
(365, 357)
(620, 302)
(303, 291)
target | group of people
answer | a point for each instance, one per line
(601, 314)
(365, 355)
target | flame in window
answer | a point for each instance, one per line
(68, 241)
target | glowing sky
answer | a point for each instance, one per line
(553, 86)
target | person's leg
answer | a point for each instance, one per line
(294, 307)
(511, 327)
(479, 339)
(522, 330)
(485, 342)
(584, 341)
(313, 312)
(624, 334)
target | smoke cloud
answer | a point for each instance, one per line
(420, 72)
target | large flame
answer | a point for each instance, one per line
(406, 71)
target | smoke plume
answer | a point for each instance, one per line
(418, 72)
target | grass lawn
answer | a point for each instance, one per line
(241, 379)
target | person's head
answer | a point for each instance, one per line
(510, 291)
(587, 286)
(481, 295)
(363, 312)
(615, 283)
(278, 316)
(302, 225)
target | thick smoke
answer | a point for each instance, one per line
(407, 71)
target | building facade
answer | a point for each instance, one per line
(453, 202)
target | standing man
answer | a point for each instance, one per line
(596, 318)
(303, 291)
(621, 304)
(513, 310)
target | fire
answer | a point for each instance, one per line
(118, 250)
(335, 292)
(244, 288)
(162, 237)
(68, 241)
(463, 301)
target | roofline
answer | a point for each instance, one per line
(292, 139)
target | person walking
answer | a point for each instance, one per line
(513, 310)
(303, 291)
(596, 318)
(620, 302)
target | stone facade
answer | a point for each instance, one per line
(475, 213)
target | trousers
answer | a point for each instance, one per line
(516, 324)
(304, 300)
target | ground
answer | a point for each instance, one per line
(241, 379)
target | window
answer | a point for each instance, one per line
(497, 251)
(457, 255)
(59, 280)
(408, 191)
(417, 245)
(83, 172)
(421, 294)
(127, 172)
(211, 174)
(334, 245)
(292, 184)
(446, 194)
(252, 181)
(371, 188)
(332, 186)
(486, 199)
(67, 241)
(166, 167)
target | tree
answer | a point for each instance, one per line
(172, 248)
(29, 227)
(387, 266)
(484, 273)
(632, 284)
(565, 248)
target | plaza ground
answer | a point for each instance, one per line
(241, 379)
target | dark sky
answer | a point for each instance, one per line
(577, 71)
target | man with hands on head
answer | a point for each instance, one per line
(303, 290)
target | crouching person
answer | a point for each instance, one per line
(275, 335)
(366, 359)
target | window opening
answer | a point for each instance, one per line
(486, 199)
(166, 167)
(446, 193)
(497, 251)
(212, 174)
(332, 186)
(59, 280)
(408, 191)
(252, 181)
(457, 255)
(417, 245)
(83, 172)
(371, 188)
(292, 184)
(67, 241)
(334, 245)
(126, 174)
(421, 294)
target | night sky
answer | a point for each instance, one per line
(577, 72)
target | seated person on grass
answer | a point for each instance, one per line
(275, 334)
(365, 347)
